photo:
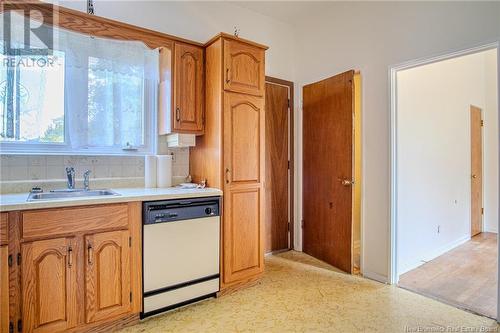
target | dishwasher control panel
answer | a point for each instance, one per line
(178, 210)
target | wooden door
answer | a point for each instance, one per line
(476, 171)
(277, 157)
(243, 68)
(188, 111)
(4, 289)
(107, 275)
(49, 285)
(243, 245)
(328, 169)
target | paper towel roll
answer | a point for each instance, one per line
(150, 171)
(164, 170)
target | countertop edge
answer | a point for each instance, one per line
(126, 195)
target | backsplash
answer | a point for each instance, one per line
(19, 173)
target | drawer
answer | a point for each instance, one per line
(4, 228)
(53, 222)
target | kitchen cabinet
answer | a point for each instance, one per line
(188, 89)
(107, 275)
(4, 289)
(243, 155)
(49, 285)
(75, 268)
(230, 155)
(181, 106)
(243, 68)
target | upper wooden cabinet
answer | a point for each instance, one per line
(49, 285)
(188, 89)
(243, 68)
(107, 271)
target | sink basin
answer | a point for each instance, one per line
(70, 194)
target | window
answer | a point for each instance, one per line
(90, 95)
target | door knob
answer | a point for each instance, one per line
(474, 176)
(347, 182)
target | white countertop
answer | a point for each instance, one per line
(17, 201)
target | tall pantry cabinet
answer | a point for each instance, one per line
(230, 155)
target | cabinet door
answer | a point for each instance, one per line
(4, 289)
(107, 275)
(49, 285)
(243, 195)
(244, 68)
(188, 111)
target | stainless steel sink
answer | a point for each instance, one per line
(67, 194)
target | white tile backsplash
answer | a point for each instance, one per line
(49, 168)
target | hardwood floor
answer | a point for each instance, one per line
(465, 277)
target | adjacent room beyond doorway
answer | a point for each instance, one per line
(447, 180)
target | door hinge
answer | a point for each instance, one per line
(482, 211)
(9, 260)
(288, 103)
(482, 123)
(302, 224)
(11, 327)
(18, 259)
(130, 242)
(288, 226)
(130, 296)
(288, 165)
(19, 325)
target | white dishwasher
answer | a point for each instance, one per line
(181, 244)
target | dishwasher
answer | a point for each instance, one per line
(181, 245)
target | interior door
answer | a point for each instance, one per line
(328, 169)
(476, 171)
(276, 184)
(107, 275)
(243, 198)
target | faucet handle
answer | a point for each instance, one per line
(87, 173)
(70, 170)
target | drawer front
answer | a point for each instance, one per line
(53, 222)
(4, 228)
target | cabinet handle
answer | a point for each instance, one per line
(227, 175)
(227, 76)
(70, 257)
(177, 114)
(89, 253)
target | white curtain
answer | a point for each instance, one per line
(110, 90)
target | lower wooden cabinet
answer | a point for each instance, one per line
(107, 275)
(4, 289)
(85, 280)
(49, 285)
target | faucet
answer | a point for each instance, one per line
(86, 181)
(70, 173)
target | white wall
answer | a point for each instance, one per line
(200, 21)
(371, 36)
(434, 155)
(491, 137)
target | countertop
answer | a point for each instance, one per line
(17, 201)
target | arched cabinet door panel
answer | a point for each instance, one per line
(107, 275)
(49, 285)
(188, 107)
(243, 68)
(244, 129)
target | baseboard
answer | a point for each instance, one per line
(432, 255)
(376, 277)
(493, 231)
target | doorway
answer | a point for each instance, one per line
(445, 178)
(332, 170)
(279, 165)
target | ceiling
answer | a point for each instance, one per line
(285, 11)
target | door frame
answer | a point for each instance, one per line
(393, 70)
(291, 149)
